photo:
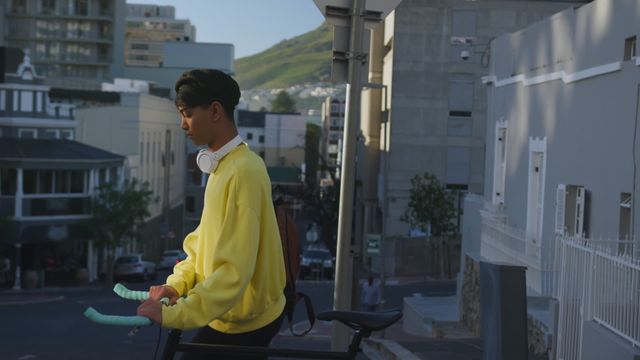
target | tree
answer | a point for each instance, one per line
(284, 103)
(431, 209)
(311, 153)
(430, 206)
(118, 216)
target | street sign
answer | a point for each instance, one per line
(373, 243)
(337, 12)
(340, 59)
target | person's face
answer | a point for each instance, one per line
(199, 122)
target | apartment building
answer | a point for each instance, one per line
(147, 28)
(73, 44)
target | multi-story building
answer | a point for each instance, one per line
(146, 130)
(429, 114)
(146, 30)
(46, 178)
(74, 44)
(332, 117)
(561, 186)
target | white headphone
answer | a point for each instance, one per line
(208, 160)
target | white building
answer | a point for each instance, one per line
(332, 117)
(47, 179)
(146, 130)
(429, 115)
(561, 185)
(147, 28)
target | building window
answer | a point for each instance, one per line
(190, 205)
(571, 214)
(625, 216)
(47, 7)
(629, 48)
(249, 136)
(458, 163)
(7, 181)
(3, 101)
(261, 139)
(535, 193)
(19, 6)
(51, 134)
(27, 133)
(460, 98)
(66, 134)
(499, 162)
(81, 7)
(26, 101)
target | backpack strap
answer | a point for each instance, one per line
(310, 314)
(290, 289)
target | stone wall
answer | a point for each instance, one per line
(470, 296)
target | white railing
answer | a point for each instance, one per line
(596, 283)
(501, 242)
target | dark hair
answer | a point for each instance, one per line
(200, 87)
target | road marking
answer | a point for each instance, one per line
(98, 301)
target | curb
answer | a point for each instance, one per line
(388, 349)
(22, 301)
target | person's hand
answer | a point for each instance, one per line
(151, 309)
(158, 292)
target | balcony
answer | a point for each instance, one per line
(71, 205)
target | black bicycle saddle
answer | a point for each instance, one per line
(372, 321)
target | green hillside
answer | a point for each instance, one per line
(303, 59)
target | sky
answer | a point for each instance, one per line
(250, 25)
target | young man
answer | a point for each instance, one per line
(231, 283)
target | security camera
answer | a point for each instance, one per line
(464, 55)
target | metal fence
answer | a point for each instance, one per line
(595, 281)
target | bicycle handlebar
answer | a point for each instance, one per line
(136, 321)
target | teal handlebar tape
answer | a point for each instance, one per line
(99, 318)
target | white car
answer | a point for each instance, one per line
(134, 266)
(170, 258)
(316, 262)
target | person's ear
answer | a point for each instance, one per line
(216, 110)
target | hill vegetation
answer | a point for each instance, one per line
(301, 60)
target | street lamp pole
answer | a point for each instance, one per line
(342, 296)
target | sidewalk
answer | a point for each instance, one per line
(10, 297)
(392, 343)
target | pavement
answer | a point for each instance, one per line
(391, 343)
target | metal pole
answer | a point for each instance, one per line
(344, 264)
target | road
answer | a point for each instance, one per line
(59, 330)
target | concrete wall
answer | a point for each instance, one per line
(590, 124)
(422, 68)
(136, 129)
(284, 139)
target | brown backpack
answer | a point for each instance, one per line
(291, 251)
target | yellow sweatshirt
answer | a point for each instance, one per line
(234, 273)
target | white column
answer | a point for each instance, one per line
(19, 193)
(18, 281)
(90, 261)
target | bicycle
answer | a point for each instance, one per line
(363, 324)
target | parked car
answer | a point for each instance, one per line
(134, 266)
(316, 263)
(170, 258)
